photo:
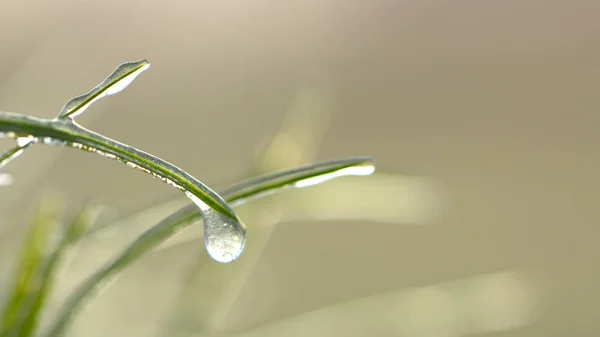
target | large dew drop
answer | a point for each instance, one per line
(224, 238)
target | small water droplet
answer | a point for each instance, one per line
(24, 141)
(52, 141)
(224, 237)
(8, 134)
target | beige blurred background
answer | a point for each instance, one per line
(482, 218)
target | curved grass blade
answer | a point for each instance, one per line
(30, 313)
(235, 195)
(116, 82)
(64, 131)
(32, 256)
(57, 132)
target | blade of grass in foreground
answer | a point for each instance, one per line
(30, 313)
(32, 256)
(63, 131)
(235, 195)
(116, 82)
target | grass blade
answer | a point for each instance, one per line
(32, 256)
(496, 303)
(64, 131)
(297, 178)
(13, 153)
(61, 133)
(114, 83)
(28, 317)
(177, 221)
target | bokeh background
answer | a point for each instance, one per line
(482, 217)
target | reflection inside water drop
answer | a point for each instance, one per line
(224, 237)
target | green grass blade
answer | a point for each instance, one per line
(59, 132)
(143, 244)
(237, 194)
(114, 83)
(300, 177)
(13, 153)
(32, 255)
(29, 316)
(64, 131)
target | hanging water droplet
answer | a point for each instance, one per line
(224, 237)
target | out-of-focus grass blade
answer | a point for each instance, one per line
(235, 195)
(301, 133)
(28, 317)
(31, 257)
(491, 303)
